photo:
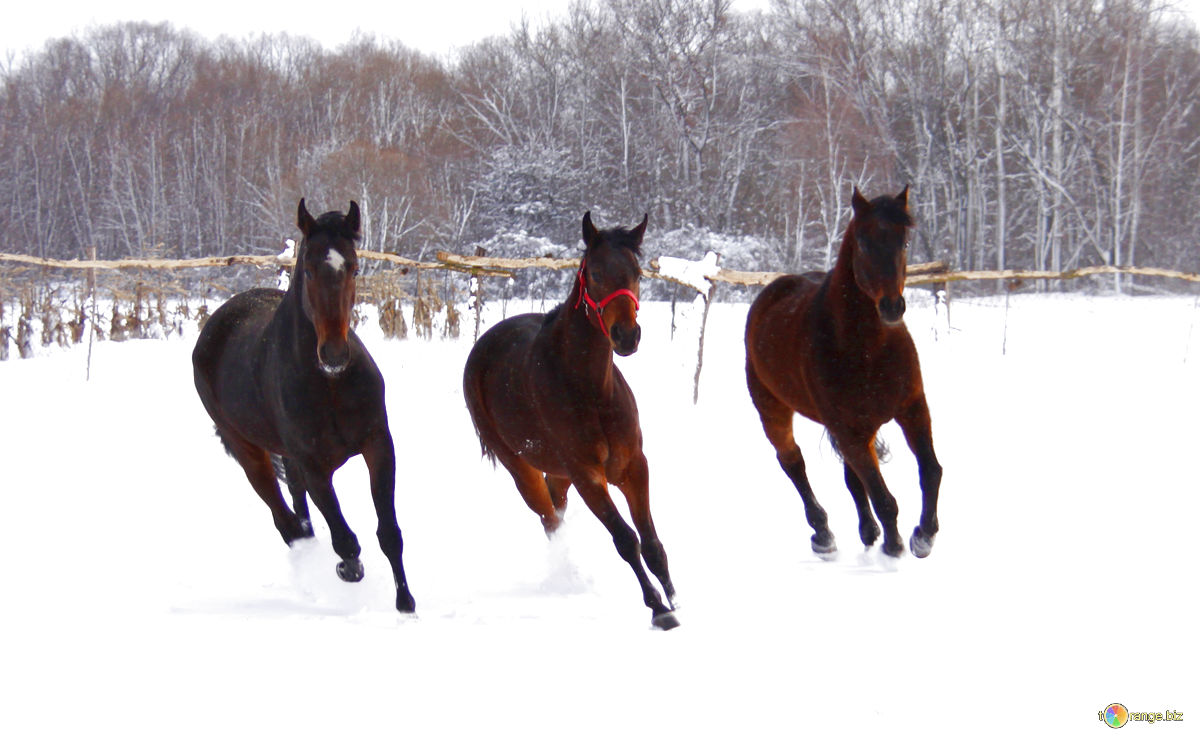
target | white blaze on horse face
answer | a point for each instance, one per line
(335, 260)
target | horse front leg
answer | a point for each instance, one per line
(636, 488)
(917, 432)
(319, 483)
(380, 455)
(593, 488)
(859, 455)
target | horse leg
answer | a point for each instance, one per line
(636, 488)
(593, 488)
(295, 483)
(380, 455)
(859, 454)
(558, 487)
(776, 420)
(915, 424)
(256, 463)
(532, 486)
(345, 544)
(868, 529)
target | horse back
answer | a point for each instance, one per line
(493, 382)
(227, 358)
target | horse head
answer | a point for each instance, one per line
(879, 229)
(326, 266)
(610, 269)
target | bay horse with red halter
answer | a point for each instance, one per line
(833, 347)
(291, 388)
(549, 404)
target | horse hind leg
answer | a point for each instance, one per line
(776, 420)
(260, 471)
(558, 487)
(532, 485)
(868, 529)
(860, 457)
(295, 483)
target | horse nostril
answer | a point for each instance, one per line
(333, 356)
(891, 310)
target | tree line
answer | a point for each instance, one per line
(1035, 134)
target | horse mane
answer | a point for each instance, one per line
(886, 208)
(334, 222)
(623, 238)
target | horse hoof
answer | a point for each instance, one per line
(350, 570)
(893, 549)
(665, 621)
(920, 544)
(824, 545)
(405, 602)
(869, 534)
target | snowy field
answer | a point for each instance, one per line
(146, 592)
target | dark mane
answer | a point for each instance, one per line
(550, 316)
(334, 222)
(623, 238)
(887, 209)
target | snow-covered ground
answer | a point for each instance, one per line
(146, 592)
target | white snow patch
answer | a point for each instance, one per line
(696, 274)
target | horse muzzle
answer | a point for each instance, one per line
(333, 357)
(625, 339)
(891, 309)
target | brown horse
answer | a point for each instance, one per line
(289, 384)
(549, 404)
(833, 347)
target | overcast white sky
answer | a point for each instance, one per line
(433, 26)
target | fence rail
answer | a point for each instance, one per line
(918, 274)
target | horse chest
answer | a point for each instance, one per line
(871, 384)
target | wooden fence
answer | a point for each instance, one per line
(918, 274)
(388, 296)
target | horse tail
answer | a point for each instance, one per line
(882, 452)
(276, 459)
(473, 392)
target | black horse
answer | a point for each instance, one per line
(288, 383)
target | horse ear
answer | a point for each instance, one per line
(902, 198)
(859, 203)
(589, 230)
(352, 219)
(640, 229)
(303, 220)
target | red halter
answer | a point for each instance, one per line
(598, 308)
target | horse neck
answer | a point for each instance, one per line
(855, 319)
(290, 313)
(586, 351)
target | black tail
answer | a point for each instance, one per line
(276, 459)
(882, 452)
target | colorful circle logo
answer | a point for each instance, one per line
(1116, 715)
